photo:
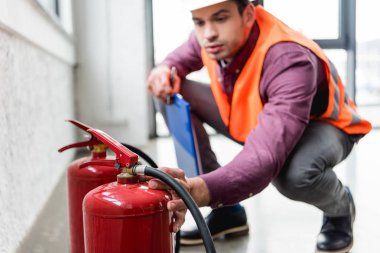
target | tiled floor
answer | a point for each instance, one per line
(278, 225)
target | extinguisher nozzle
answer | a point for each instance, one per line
(139, 169)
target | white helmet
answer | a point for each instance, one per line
(199, 4)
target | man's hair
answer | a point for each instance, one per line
(241, 4)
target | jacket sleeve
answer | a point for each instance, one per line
(186, 58)
(288, 85)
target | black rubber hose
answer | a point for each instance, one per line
(141, 154)
(193, 208)
(177, 241)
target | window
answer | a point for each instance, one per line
(168, 34)
(315, 20)
(348, 34)
(368, 60)
(368, 53)
(331, 23)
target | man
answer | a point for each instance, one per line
(274, 91)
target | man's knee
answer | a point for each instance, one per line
(296, 184)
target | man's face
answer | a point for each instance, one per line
(221, 30)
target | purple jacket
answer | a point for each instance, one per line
(293, 87)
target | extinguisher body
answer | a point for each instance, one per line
(81, 180)
(127, 217)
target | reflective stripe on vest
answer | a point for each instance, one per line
(242, 113)
(334, 116)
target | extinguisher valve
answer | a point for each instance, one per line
(135, 170)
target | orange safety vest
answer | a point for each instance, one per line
(241, 115)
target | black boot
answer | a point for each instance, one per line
(336, 234)
(227, 221)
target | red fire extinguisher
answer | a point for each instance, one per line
(81, 179)
(126, 216)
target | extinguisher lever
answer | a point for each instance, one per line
(124, 156)
(104, 162)
(79, 124)
(80, 145)
(89, 143)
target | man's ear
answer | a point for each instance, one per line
(249, 15)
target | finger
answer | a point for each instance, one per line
(178, 220)
(157, 87)
(175, 205)
(156, 83)
(174, 172)
(173, 194)
(157, 184)
(165, 80)
(183, 183)
(176, 85)
(177, 174)
(145, 178)
(165, 91)
(150, 82)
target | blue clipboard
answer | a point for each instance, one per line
(182, 131)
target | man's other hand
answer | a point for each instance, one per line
(162, 84)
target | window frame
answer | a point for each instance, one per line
(346, 40)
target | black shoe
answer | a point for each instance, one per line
(225, 221)
(336, 234)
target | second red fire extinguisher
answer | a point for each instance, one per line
(126, 216)
(82, 179)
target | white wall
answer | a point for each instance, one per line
(45, 77)
(36, 95)
(112, 67)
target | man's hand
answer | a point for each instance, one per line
(161, 83)
(195, 186)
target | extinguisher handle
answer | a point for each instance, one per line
(79, 124)
(91, 142)
(103, 162)
(80, 145)
(124, 156)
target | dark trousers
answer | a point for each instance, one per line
(307, 175)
